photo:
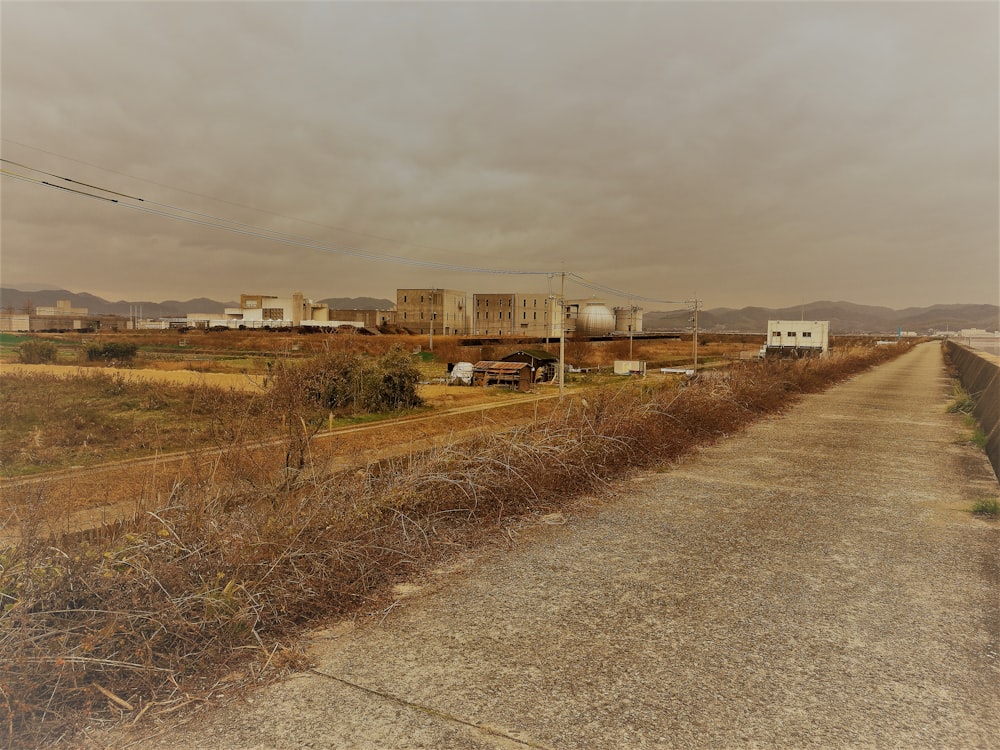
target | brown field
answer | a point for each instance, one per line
(173, 376)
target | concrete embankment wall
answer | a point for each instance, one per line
(980, 377)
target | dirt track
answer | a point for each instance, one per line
(814, 582)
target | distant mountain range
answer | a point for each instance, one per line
(844, 317)
(16, 299)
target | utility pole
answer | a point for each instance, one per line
(631, 327)
(431, 342)
(695, 306)
(562, 334)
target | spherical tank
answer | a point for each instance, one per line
(595, 319)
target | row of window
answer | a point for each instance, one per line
(524, 302)
(499, 316)
(791, 334)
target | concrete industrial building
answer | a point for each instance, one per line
(64, 307)
(515, 314)
(518, 314)
(62, 317)
(425, 311)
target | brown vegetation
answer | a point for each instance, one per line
(129, 621)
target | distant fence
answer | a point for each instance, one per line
(980, 376)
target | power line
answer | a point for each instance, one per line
(179, 213)
(169, 211)
(595, 286)
(227, 202)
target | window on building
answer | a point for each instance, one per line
(534, 316)
(777, 334)
(251, 303)
(791, 334)
(524, 316)
(807, 334)
(404, 298)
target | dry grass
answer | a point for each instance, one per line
(136, 619)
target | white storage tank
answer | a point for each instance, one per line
(628, 319)
(595, 319)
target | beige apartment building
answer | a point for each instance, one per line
(441, 311)
(515, 314)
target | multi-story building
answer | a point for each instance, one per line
(266, 309)
(441, 311)
(64, 307)
(515, 314)
(62, 317)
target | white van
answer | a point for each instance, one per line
(461, 374)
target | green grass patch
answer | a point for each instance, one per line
(987, 506)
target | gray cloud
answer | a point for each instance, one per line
(754, 153)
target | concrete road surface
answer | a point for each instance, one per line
(816, 582)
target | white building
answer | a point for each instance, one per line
(797, 338)
(262, 309)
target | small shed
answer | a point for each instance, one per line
(514, 375)
(543, 365)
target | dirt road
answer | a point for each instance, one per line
(815, 582)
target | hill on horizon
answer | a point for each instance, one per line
(17, 298)
(844, 317)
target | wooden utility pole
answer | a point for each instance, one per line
(562, 333)
(695, 306)
(431, 342)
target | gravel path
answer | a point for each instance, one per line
(815, 582)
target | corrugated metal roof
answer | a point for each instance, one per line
(539, 354)
(484, 365)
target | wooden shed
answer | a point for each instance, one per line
(543, 365)
(514, 375)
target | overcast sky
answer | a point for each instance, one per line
(749, 153)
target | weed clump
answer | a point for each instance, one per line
(962, 402)
(987, 506)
